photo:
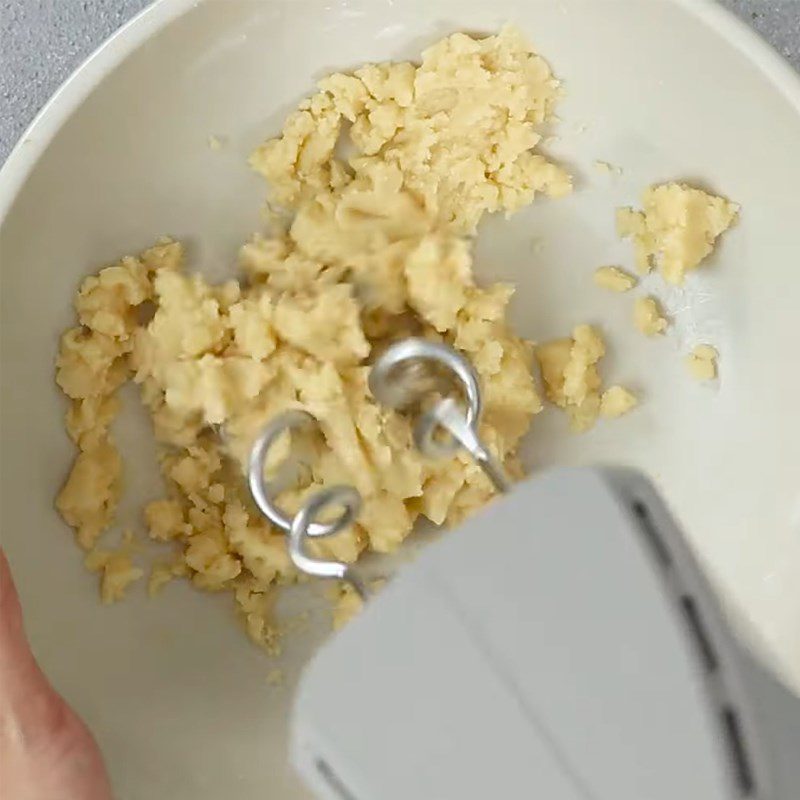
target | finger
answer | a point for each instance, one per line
(45, 749)
(16, 659)
(26, 697)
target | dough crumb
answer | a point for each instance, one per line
(118, 572)
(647, 316)
(616, 401)
(607, 169)
(255, 600)
(676, 229)
(614, 279)
(702, 363)
(570, 375)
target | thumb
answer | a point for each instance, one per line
(45, 749)
(18, 669)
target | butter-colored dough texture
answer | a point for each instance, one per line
(572, 379)
(614, 279)
(116, 567)
(449, 139)
(676, 228)
(374, 249)
(648, 317)
(616, 401)
(702, 363)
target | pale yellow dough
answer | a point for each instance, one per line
(459, 130)
(572, 380)
(702, 363)
(374, 250)
(647, 316)
(614, 279)
(616, 401)
(117, 572)
(676, 229)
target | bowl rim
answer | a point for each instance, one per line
(154, 18)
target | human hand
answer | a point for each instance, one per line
(46, 751)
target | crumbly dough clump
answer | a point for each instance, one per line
(572, 380)
(614, 279)
(647, 316)
(702, 363)
(117, 572)
(676, 229)
(373, 251)
(458, 132)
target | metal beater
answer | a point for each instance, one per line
(405, 375)
(594, 661)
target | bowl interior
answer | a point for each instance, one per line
(177, 697)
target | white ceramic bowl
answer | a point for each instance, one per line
(666, 89)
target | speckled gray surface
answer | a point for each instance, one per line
(42, 41)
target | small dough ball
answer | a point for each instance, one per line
(166, 254)
(571, 377)
(677, 228)
(90, 495)
(616, 401)
(614, 279)
(702, 363)
(118, 573)
(647, 316)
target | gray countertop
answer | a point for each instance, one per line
(43, 41)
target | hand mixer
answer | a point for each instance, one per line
(563, 644)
